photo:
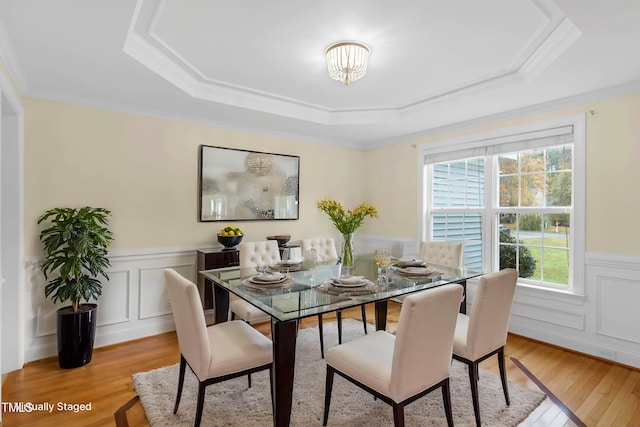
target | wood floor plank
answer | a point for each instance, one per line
(621, 410)
(603, 395)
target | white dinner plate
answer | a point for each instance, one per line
(417, 271)
(349, 281)
(285, 282)
(268, 278)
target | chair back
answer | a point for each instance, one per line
(324, 246)
(490, 310)
(191, 326)
(448, 254)
(424, 339)
(254, 254)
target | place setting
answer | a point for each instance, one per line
(286, 266)
(268, 280)
(415, 268)
(349, 285)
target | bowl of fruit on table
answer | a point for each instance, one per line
(229, 237)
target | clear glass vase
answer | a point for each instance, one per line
(348, 260)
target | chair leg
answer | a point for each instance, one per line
(339, 316)
(321, 332)
(249, 380)
(364, 318)
(233, 316)
(503, 375)
(473, 379)
(183, 366)
(446, 397)
(201, 389)
(398, 414)
(327, 394)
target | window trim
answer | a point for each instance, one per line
(477, 140)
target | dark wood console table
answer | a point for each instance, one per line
(209, 259)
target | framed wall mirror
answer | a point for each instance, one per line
(243, 185)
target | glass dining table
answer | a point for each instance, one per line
(307, 293)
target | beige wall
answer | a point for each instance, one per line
(145, 170)
(613, 175)
(392, 175)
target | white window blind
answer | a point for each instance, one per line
(505, 144)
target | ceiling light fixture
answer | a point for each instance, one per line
(347, 61)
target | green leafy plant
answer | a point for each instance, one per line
(527, 263)
(76, 244)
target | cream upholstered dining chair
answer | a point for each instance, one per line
(448, 254)
(326, 249)
(253, 254)
(324, 246)
(483, 332)
(215, 353)
(402, 368)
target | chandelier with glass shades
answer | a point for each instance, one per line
(347, 61)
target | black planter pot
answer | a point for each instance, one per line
(76, 334)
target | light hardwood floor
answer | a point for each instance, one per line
(598, 392)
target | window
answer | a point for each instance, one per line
(514, 197)
(458, 205)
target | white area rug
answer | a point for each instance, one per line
(231, 403)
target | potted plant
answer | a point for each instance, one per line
(75, 243)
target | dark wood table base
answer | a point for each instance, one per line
(284, 350)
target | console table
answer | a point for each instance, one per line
(209, 259)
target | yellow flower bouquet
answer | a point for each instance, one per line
(347, 222)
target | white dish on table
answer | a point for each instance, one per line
(349, 281)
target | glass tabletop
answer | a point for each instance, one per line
(304, 293)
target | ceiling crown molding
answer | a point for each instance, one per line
(10, 59)
(552, 37)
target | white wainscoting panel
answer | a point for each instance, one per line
(548, 315)
(114, 305)
(133, 304)
(153, 295)
(618, 314)
(603, 322)
(154, 300)
(46, 322)
(367, 244)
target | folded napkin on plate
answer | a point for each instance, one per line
(416, 270)
(269, 277)
(349, 280)
(282, 267)
(290, 262)
(367, 287)
(410, 263)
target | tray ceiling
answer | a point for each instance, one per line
(260, 65)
